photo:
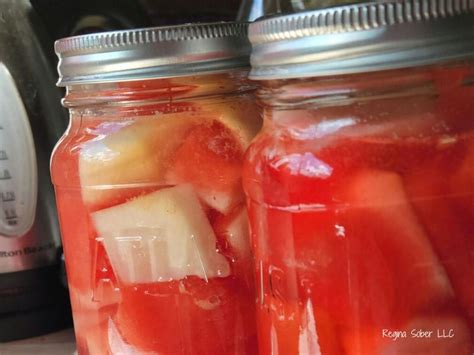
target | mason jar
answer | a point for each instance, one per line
(148, 187)
(360, 186)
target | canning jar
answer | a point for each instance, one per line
(360, 186)
(148, 186)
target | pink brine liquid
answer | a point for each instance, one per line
(155, 231)
(364, 237)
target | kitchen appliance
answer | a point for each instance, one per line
(33, 300)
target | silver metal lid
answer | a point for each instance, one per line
(361, 38)
(152, 53)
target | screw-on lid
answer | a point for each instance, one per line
(152, 53)
(361, 38)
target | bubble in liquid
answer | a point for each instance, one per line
(340, 231)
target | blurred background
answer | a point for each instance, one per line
(74, 17)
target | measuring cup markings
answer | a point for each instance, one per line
(6, 175)
(7, 196)
(3, 154)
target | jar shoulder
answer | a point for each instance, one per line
(300, 152)
(137, 145)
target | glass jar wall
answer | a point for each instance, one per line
(148, 185)
(360, 195)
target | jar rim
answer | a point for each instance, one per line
(149, 53)
(363, 37)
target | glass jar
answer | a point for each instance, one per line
(152, 214)
(360, 198)
(250, 10)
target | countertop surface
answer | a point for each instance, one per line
(59, 343)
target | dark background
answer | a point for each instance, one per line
(63, 18)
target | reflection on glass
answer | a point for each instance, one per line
(250, 10)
